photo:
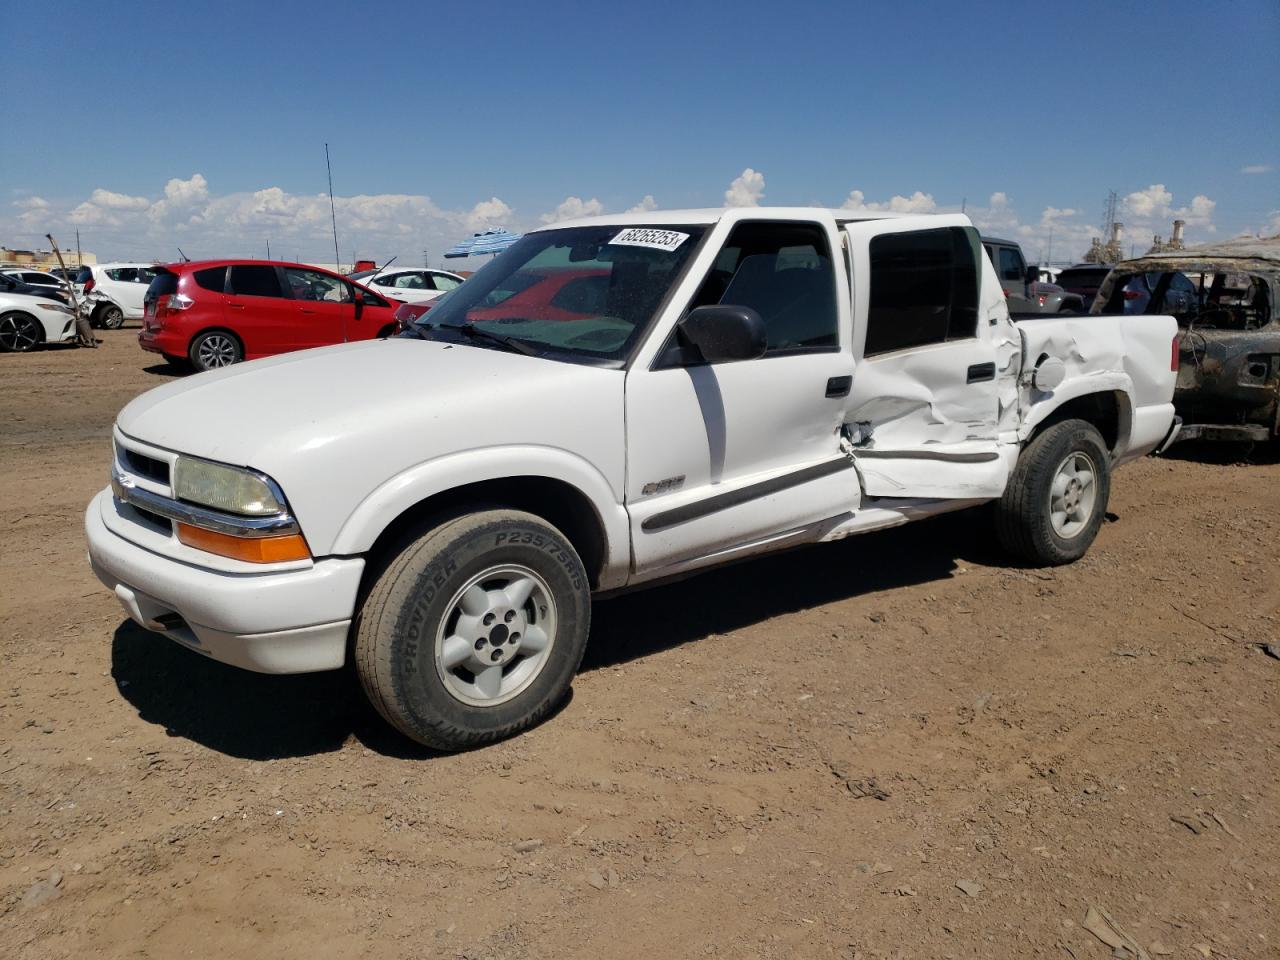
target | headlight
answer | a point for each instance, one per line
(224, 488)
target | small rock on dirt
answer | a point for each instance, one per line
(1158, 949)
(596, 879)
(903, 891)
(526, 846)
(970, 888)
(41, 892)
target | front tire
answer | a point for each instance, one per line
(475, 630)
(110, 317)
(20, 332)
(215, 349)
(1056, 499)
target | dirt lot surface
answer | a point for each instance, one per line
(894, 746)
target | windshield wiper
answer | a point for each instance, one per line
(473, 332)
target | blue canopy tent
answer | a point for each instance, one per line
(491, 241)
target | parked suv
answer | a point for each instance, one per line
(1084, 279)
(213, 313)
(1022, 285)
(113, 292)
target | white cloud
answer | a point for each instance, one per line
(571, 208)
(645, 205)
(180, 197)
(1257, 168)
(747, 190)
(186, 213)
(1152, 209)
(918, 202)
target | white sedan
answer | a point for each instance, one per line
(409, 284)
(26, 322)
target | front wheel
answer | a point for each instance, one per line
(1056, 498)
(110, 317)
(214, 349)
(475, 630)
(20, 332)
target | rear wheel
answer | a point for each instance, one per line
(213, 349)
(20, 332)
(475, 630)
(1056, 499)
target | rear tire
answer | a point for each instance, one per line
(1056, 500)
(215, 349)
(475, 630)
(19, 332)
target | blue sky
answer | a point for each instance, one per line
(202, 125)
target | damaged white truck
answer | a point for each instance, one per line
(611, 402)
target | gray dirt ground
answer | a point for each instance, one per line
(704, 792)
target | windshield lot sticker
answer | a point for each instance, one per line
(654, 239)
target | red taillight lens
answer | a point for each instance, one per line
(1173, 360)
(1132, 294)
(1042, 298)
(90, 284)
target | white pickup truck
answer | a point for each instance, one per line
(611, 402)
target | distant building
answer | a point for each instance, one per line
(43, 259)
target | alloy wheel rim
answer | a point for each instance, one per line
(17, 333)
(216, 351)
(113, 318)
(496, 636)
(1073, 495)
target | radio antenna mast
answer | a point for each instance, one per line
(337, 258)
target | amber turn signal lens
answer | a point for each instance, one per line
(249, 549)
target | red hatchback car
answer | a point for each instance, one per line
(217, 312)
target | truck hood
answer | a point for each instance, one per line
(335, 423)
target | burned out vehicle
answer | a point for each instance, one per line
(1228, 384)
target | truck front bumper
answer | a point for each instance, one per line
(293, 621)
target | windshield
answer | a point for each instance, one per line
(583, 293)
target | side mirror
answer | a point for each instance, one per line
(724, 333)
(359, 303)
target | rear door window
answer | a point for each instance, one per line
(212, 278)
(924, 289)
(254, 280)
(444, 281)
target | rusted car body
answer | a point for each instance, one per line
(1229, 341)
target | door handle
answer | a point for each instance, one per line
(839, 386)
(981, 372)
(236, 306)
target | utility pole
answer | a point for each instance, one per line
(268, 248)
(79, 256)
(426, 260)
